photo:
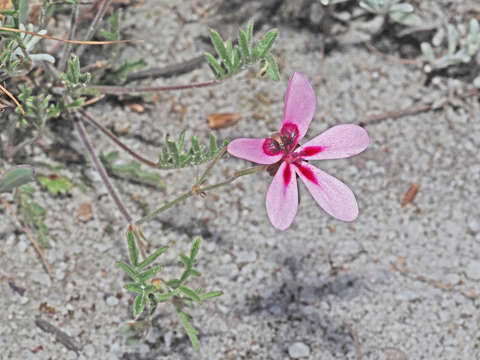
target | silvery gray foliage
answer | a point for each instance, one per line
(459, 51)
(400, 12)
(332, 2)
(29, 41)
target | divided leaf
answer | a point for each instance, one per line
(132, 248)
(15, 177)
(56, 184)
(235, 58)
(129, 270)
(261, 49)
(190, 293)
(195, 248)
(191, 331)
(175, 156)
(150, 273)
(152, 257)
(210, 295)
(139, 304)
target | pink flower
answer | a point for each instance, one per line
(282, 151)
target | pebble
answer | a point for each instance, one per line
(452, 279)
(211, 246)
(11, 239)
(246, 257)
(71, 355)
(167, 338)
(41, 278)
(476, 82)
(23, 300)
(298, 350)
(308, 296)
(473, 270)
(474, 225)
(407, 295)
(22, 246)
(112, 301)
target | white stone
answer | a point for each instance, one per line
(41, 278)
(298, 350)
(22, 246)
(474, 225)
(473, 270)
(112, 301)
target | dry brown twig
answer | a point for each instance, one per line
(435, 283)
(410, 62)
(10, 95)
(60, 336)
(78, 42)
(29, 235)
(356, 341)
(416, 109)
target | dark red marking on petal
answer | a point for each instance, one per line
(287, 174)
(307, 172)
(312, 150)
(271, 147)
(289, 133)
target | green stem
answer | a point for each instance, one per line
(247, 171)
(192, 192)
(165, 207)
(211, 165)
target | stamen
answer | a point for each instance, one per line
(272, 147)
(289, 134)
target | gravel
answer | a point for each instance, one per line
(283, 290)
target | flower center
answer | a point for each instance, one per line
(282, 142)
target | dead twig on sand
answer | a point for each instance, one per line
(29, 235)
(356, 341)
(60, 336)
(416, 109)
(436, 284)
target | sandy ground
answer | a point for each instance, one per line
(315, 284)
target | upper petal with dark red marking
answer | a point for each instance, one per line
(300, 103)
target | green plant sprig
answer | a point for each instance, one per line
(233, 59)
(150, 292)
(174, 155)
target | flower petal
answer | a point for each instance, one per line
(331, 194)
(340, 141)
(300, 103)
(282, 197)
(252, 150)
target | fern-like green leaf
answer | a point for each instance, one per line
(235, 58)
(174, 155)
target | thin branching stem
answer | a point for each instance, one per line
(95, 24)
(98, 165)
(68, 47)
(211, 165)
(133, 90)
(117, 141)
(194, 191)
